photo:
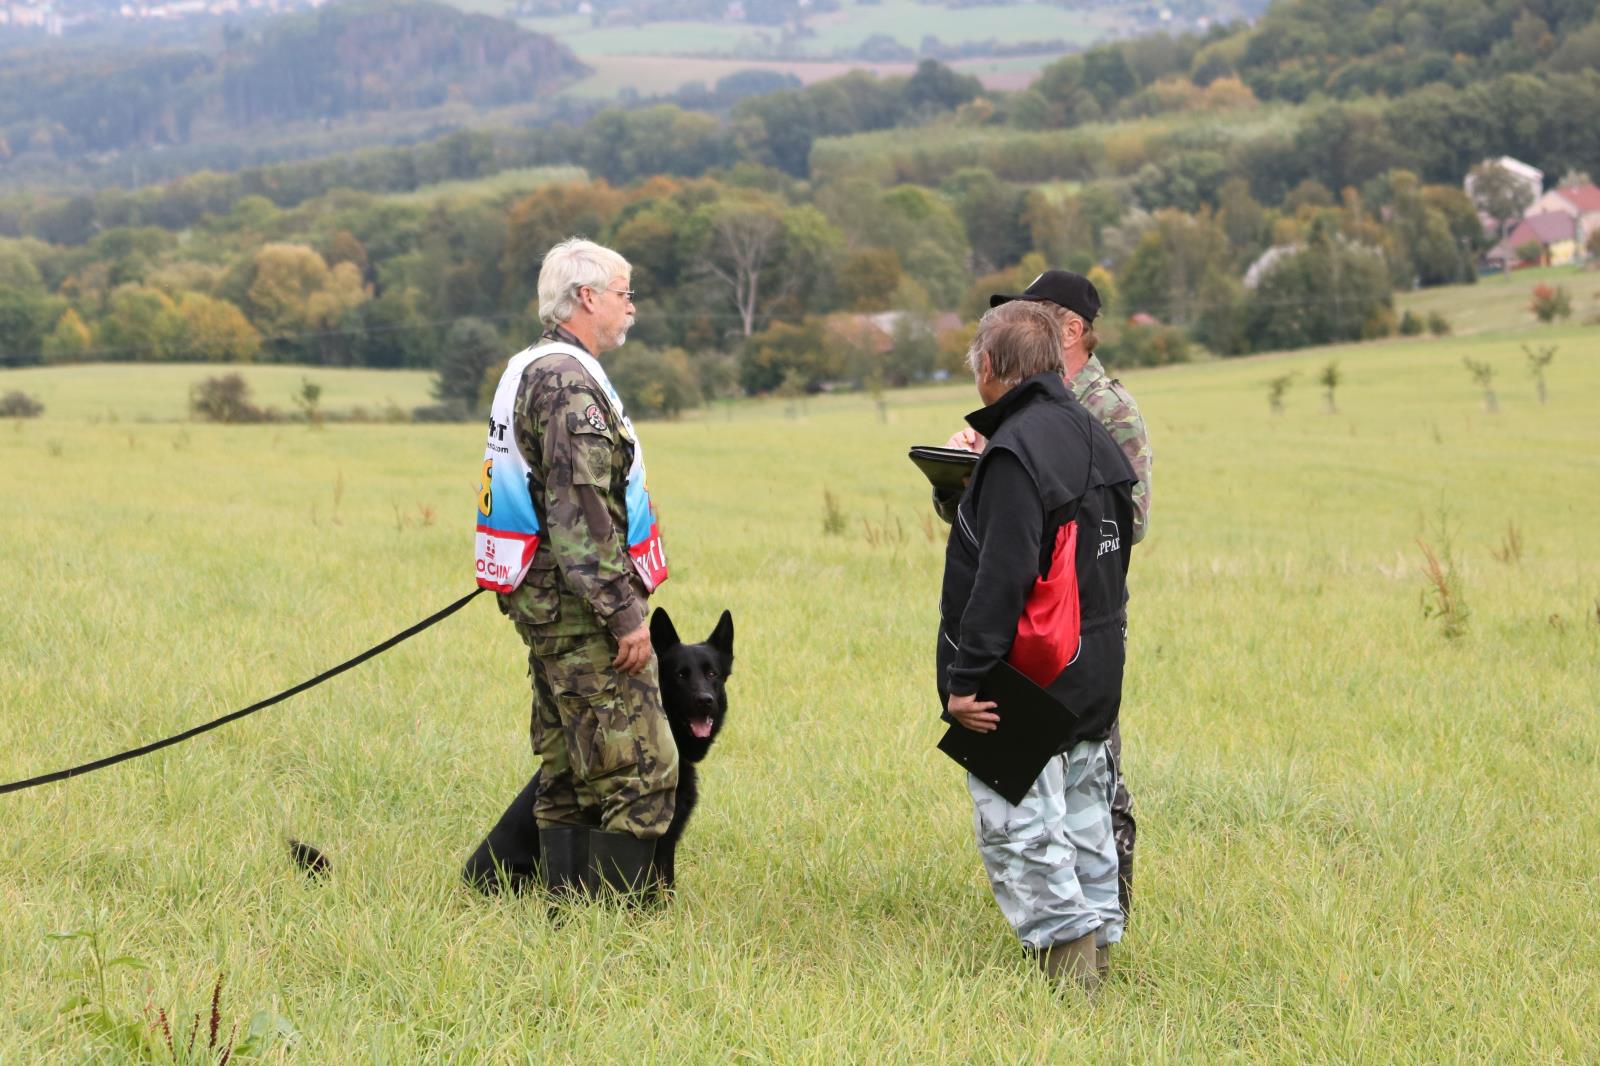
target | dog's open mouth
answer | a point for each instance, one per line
(700, 727)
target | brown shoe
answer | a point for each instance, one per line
(1102, 960)
(1073, 961)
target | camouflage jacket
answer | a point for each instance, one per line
(1113, 407)
(581, 577)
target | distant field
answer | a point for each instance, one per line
(906, 21)
(146, 392)
(1500, 301)
(654, 74)
(655, 57)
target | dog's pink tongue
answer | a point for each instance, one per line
(700, 727)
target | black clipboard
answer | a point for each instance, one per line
(946, 468)
(1034, 726)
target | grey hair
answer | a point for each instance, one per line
(1021, 339)
(574, 264)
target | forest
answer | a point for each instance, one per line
(1223, 202)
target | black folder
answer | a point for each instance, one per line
(1034, 726)
(946, 468)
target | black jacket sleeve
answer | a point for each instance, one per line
(1009, 524)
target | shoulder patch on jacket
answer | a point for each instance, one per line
(595, 417)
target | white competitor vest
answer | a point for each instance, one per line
(508, 525)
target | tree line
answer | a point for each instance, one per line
(763, 234)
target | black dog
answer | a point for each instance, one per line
(693, 693)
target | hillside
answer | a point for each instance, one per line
(340, 62)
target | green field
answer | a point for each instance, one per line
(659, 57)
(667, 74)
(1499, 299)
(906, 21)
(1361, 841)
(144, 392)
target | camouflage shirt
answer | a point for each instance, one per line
(582, 577)
(1112, 405)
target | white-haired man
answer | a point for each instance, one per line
(567, 536)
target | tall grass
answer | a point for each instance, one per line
(1359, 841)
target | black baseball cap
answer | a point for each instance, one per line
(1062, 287)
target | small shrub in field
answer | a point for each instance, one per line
(1550, 302)
(1483, 374)
(1150, 345)
(833, 521)
(1330, 379)
(309, 398)
(442, 412)
(1276, 387)
(1438, 325)
(1529, 252)
(16, 404)
(225, 398)
(1411, 324)
(153, 1038)
(1538, 359)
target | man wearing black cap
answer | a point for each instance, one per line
(1074, 302)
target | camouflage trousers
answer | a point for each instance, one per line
(1123, 825)
(607, 757)
(1051, 859)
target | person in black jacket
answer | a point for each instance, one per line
(1050, 480)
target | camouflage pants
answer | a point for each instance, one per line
(1123, 825)
(1051, 859)
(607, 757)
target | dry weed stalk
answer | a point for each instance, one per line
(1447, 605)
(1510, 550)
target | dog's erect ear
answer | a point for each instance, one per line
(722, 637)
(662, 633)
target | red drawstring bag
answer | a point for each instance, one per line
(1048, 631)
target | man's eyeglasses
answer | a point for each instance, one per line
(626, 294)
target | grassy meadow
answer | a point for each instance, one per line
(906, 21)
(1362, 839)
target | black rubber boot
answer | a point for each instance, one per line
(564, 861)
(624, 864)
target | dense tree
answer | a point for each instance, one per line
(141, 324)
(1060, 229)
(991, 212)
(541, 219)
(936, 87)
(789, 352)
(470, 358)
(760, 254)
(654, 384)
(621, 146)
(25, 318)
(868, 279)
(70, 340)
(1170, 264)
(215, 331)
(1325, 291)
(1499, 194)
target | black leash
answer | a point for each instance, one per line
(112, 760)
